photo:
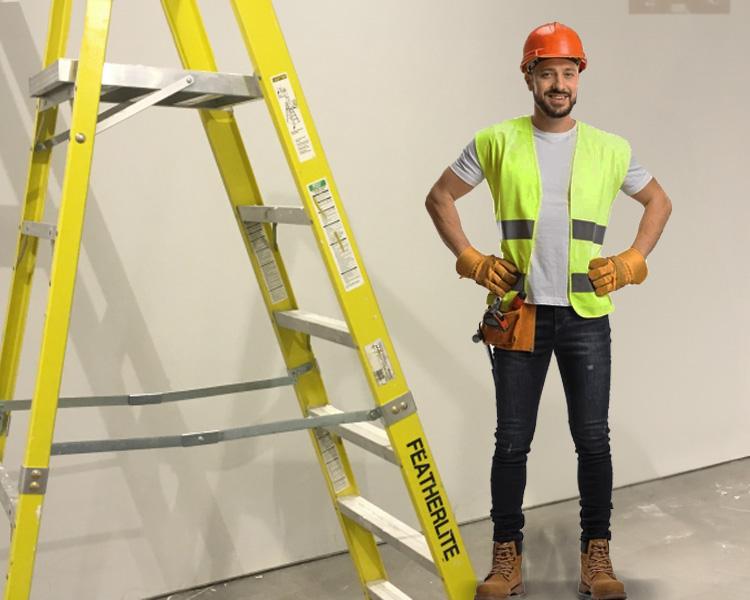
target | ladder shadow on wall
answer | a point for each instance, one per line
(104, 344)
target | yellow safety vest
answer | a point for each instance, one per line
(507, 155)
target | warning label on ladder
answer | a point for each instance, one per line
(295, 124)
(267, 261)
(333, 461)
(380, 365)
(330, 220)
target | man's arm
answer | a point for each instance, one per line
(657, 207)
(496, 274)
(441, 204)
(612, 273)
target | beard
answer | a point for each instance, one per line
(554, 112)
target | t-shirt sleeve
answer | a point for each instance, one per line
(636, 179)
(467, 166)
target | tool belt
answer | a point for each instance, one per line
(510, 330)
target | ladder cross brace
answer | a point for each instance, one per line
(204, 438)
(117, 114)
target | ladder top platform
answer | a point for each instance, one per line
(127, 83)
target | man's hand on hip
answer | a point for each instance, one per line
(612, 273)
(496, 274)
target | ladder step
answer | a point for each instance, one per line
(389, 528)
(274, 214)
(326, 328)
(365, 435)
(127, 83)
(47, 231)
(385, 590)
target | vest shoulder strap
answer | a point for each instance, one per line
(618, 146)
(490, 141)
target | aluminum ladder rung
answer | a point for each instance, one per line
(326, 328)
(47, 231)
(385, 590)
(273, 214)
(397, 533)
(365, 435)
(128, 83)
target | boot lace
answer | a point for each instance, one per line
(503, 556)
(599, 561)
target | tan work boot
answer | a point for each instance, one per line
(598, 581)
(504, 578)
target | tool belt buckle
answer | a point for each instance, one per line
(493, 317)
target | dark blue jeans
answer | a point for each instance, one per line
(582, 350)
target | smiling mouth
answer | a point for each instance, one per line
(558, 97)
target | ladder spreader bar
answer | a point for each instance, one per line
(159, 397)
(204, 438)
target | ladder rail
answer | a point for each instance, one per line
(239, 181)
(33, 210)
(60, 297)
(315, 183)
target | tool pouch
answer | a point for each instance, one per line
(519, 334)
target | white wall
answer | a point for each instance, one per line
(166, 299)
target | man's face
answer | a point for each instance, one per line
(554, 83)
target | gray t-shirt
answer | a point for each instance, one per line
(548, 274)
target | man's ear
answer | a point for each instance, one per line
(528, 79)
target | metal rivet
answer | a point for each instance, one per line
(39, 147)
(395, 410)
(404, 406)
(34, 485)
(189, 79)
(80, 138)
(36, 474)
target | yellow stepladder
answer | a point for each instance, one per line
(400, 440)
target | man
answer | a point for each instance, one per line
(553, 181)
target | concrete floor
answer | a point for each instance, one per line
(686, 537)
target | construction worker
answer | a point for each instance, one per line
(553, 180)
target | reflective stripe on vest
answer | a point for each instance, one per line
(580, 283)
(520, 229)
(588, 230)
(523, 229)
(507, 154)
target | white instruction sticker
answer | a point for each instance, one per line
(262, 250)
(333, 461)
(330, 220)
(380, 364)
(293, 117)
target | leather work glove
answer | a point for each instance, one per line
(612, 273)
(496, 274)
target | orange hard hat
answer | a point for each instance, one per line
(552, 40)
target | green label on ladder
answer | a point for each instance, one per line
(338, 243)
